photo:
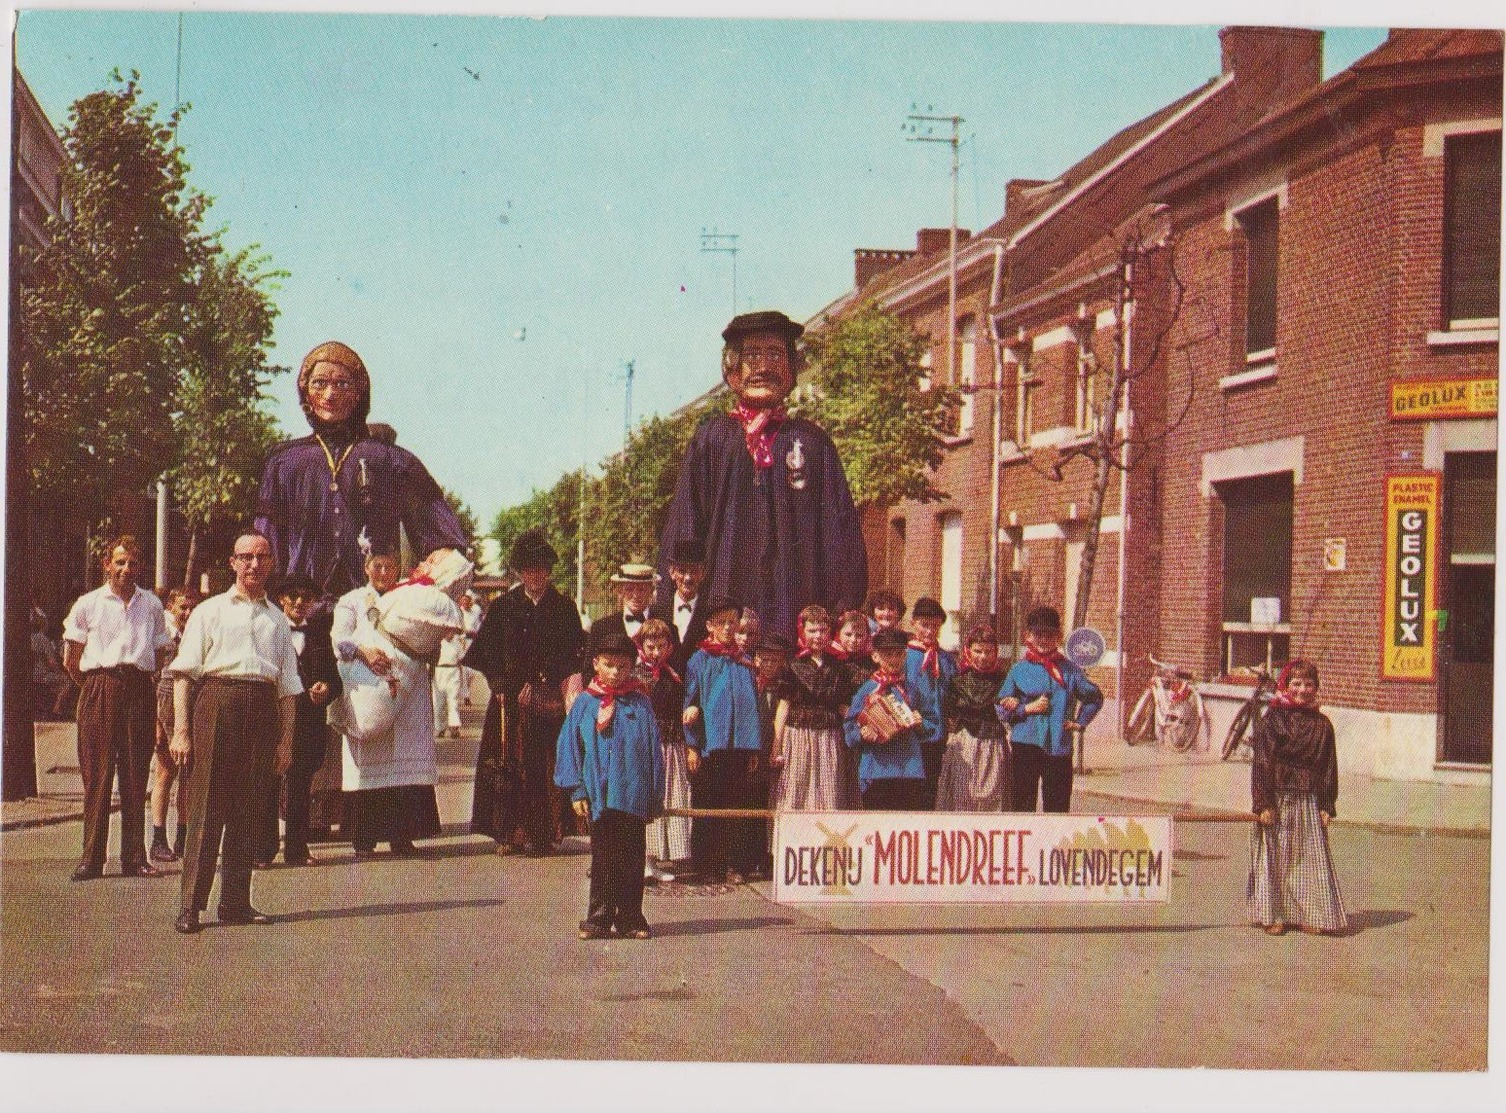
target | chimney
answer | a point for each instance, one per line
(1015, 189)
(1289, 60)
(928, 241)
(870, 262)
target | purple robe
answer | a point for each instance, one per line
(775, 540)
(316, 531)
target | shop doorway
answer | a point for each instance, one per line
(1466, 643)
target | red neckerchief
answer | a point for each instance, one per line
(421, 581)
(931, 662)
(1052, 662)
(887, 680)
(762, 684)
(759, 427)
(731, 652)
(608, 697)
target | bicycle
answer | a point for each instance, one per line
(1169, 712)
(1246, 717)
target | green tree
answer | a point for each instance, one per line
(865, 389)
(224, 430)
(105, 314)
(556, 511)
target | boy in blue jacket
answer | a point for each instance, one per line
(725, 750)
(609, 759)
(891, 775)
(1045, 683)
(929, 671)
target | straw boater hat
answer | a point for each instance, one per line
(635, 574)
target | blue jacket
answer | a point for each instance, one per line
(725, 691)
(1027, 681)
(892, 760)
(622, 769)
(926, 691)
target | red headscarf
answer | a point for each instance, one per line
(1283, 696)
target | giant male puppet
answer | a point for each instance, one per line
(328, 499)
(764, 492)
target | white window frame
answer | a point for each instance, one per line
(967, 374)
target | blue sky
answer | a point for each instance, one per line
(498, 213)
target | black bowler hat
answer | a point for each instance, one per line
(293, 584)
(717, 604)
(765, 320)
(890, 638)
(531, 550)
(688, 550)
(604, 639)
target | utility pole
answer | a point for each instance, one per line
(920, 128)
(627, 408)
(723, 243)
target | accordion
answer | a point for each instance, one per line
(887, 715)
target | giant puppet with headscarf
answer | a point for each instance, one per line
(329, 498)
(764, 492)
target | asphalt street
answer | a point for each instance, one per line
(467, 955)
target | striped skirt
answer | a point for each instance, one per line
(974, 774)
(817, 775)
(1292, 880)
(669, 835)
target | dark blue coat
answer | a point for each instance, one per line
(315, 532)
(727, 694)
(899, 758)
(777, 540)
(621, 769)
(927, 691)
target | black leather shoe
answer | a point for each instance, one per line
(247, 915)
(161, 852)
(187, 923)
(140, 869)
(86, 873)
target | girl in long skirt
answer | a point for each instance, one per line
(1294, 786)
(975, 767)
(808, 744)
(669, 835)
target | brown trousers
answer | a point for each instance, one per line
(235, 731)
(116, 721)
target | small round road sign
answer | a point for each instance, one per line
(1085, 647)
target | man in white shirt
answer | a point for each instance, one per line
(115, 637)
(470, 610)
(239, 647)
(687, 569)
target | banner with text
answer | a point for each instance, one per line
(970, 858)
(1411, 577)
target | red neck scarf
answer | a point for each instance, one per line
(422, 581)
(1052, 662)
(759, 427)
(931, 662)
(888, 680)
(608, 697)
(731, 652)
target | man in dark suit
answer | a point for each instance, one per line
(684, 608)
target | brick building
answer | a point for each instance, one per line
(1035, 333)
(1344, 254)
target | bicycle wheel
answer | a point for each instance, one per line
(1182, 732)
(1243, 718)
(1141, 724)
(1201, 738)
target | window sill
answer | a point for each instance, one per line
(1063, 436)
(1261, 374)
(1453, 337)
(1257, 628)
(1009, 452)
(956, 441)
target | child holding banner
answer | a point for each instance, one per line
(1294, 786)
(891, 775)
(975, 768)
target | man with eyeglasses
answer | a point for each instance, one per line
(328, 499)
(239, 647)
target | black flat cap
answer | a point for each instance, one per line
(604, 639)
(890, 638)
(775, 643)
(765, 320)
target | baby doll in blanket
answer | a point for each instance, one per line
(405, 627)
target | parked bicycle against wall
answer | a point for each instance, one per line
(1169, 712)
(1242, 730)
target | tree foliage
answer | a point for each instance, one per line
(466, 515)
(869, 390)
(555, 510)
(105, 314)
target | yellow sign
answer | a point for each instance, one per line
(1426, 399)
(1409, 649)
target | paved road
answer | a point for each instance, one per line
(469, 956)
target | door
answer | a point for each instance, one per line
(1467, 640)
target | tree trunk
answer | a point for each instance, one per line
(193, 556)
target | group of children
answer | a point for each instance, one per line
(857, 714)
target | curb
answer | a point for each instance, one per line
(1362, 825)
(46, 820)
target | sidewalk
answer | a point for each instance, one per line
(1118, 774)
